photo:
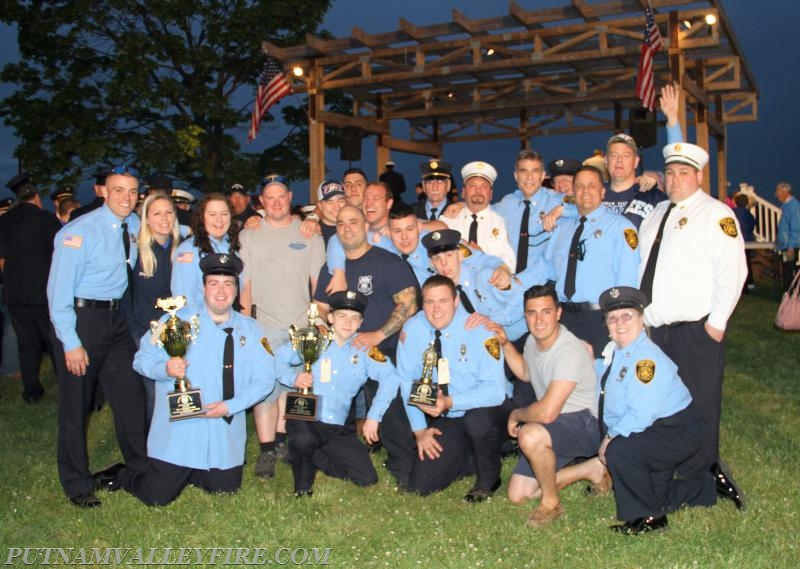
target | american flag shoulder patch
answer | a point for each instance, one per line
(185, 257)
(74, 241)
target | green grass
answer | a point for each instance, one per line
(377, 527)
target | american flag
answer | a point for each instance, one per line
(645, 82)
(272, 87)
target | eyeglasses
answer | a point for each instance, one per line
(275, 179)
(124, 169)
(623, 318)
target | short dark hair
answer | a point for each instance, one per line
(541, 291)
(440, 280)
(741, 200)
(401, 210)
(593, 169)
(384, 185)
(355, 171)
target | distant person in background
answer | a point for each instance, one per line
(158, 239)
(239, 199)
(562, 172)
(98, 201)
(395, 181)
(787, 240)
(61, 194)
(26, 247)
(747, 223)
(64, 209)
(183, 200)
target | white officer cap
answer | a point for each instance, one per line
(482, 169)
(182, 196)
(685, 153)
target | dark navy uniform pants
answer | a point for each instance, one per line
(333, 449)
(157, 483)
(700, 361)
(470, 445)
(107, 340)
(648, 468)
(31, 323)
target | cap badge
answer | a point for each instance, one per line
(436, 236)
(677, 148)
(614, 293)
(559, 162)
(351, 295)
(434, 164)
(223, 258)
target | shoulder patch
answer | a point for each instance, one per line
(402, 336)
(376, 354)
(632, 238)
(645, 371)
(265, 343)
(492, 346)
(185, 257)
(74, 241)
(567, 200)
(465, 251)
(728, 226)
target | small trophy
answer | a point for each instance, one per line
(424, 391)
(174, 336)
(309, 343)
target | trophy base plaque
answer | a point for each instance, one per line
(185, 404)
(301, 406)
(423, 393)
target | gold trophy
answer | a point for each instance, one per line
(424, 391)
(309, 343)
(174, 336)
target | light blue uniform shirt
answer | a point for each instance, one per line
(611, 257)
(505, 307)
(187, 278)
(788, 234)
(511, 208)
(88, 262)
(350, 368)
(642, 387)
(476, 377)
(199, 442)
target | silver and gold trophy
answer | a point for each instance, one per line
(175, 335)
(424, 391)
(309, 343)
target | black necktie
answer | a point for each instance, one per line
(433, 214)
(126, 245)
(602, 401)
(227, 370)
(650, 268)
(473, 229)
(437, 345)
(572, 261)
(465, 299)
(522, 246)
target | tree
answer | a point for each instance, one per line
(167, 86)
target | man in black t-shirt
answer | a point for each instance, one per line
(391, 287)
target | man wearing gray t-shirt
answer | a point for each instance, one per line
(562, 424)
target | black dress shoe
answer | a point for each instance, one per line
(303, 493)
(108, 478)
(642, 525)
(86, 501)
(34, 397)
(727, 486)
(480, 494)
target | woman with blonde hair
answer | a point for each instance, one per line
(158, 238)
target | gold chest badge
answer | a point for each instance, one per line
(645, 371)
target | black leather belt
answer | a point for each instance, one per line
(580, 306)
(90, 303)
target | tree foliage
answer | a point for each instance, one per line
(167, 86)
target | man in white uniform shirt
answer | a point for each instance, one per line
(693, 268)
(477, 222)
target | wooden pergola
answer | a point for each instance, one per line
(527, 74)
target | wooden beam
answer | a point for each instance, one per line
(342, 121)
(413, 147)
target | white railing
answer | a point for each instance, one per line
(767, 215)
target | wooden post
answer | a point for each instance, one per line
(722, 151)
(316, 132)
(676, 67)
(701, 125)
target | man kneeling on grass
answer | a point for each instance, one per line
(562, 424)
(329, 444)
(228, 362)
